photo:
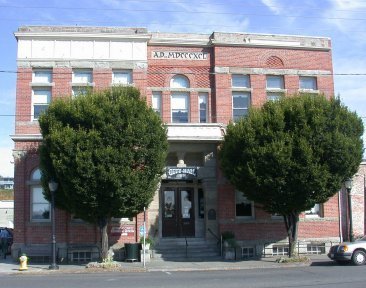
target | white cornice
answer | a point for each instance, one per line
(78, 36)
(26, 137)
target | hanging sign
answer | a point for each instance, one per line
(181, 172)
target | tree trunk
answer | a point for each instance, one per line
(103, 224)
(291, 223)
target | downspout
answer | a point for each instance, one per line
(340, 216)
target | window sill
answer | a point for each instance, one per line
(242, 89)
(311, 91)
(276, 90)
(40, 84)
(82, 84)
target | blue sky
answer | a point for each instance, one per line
(344, 21)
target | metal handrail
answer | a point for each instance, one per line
(186, 247)
(219, 240)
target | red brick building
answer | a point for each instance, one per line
(197, 83)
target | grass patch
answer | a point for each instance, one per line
(296, 259)
(6, 194)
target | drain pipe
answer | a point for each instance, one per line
(340, 216)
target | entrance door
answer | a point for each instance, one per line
(178, 212)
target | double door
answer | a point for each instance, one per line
(178, 212)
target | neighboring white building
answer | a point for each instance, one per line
(6, 183)
(7, 213)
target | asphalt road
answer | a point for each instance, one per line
(313, 276)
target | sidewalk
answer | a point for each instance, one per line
(8, 266)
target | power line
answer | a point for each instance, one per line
(190, 11)
(171, 11)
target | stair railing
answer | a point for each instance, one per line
(186, 246)
(219, 239)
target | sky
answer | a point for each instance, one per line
(343, 21)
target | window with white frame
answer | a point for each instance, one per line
(179, 81)
(315, 248)
(42, 76)
(316, 211)
(275, 87)
(247, 252)
(82, 79)
(279, 250)
(308, 83)
(241, 102)
(179, 105)
(240, 81)
(275, 82)
(79, 90)
(40, 207)
(202, 102)
(82, 76)
(156, 102)
(244, 208)
(122, 77)
(41, 98)
(274, 96)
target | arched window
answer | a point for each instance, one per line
(36, 175)
(180, 99)
(179, 81)
(40, 207)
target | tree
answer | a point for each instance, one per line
(106, 150)
(291, 154)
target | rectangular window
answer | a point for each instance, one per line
(241, 102)
(315, 248)
(179, 106)
(42, 76)
(81, 257)
(240, 81)
(274, 96)
(244, 207)
(280, 250)
(41, 98)
(40, 206)
(202, 100)
(82, 76)
(247, 252)
(308, 83)
(275, 82)
(316, 211)
(79, 90)
(82, 79)
(156, 102)
(122, 77)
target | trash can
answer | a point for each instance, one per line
(132, 251)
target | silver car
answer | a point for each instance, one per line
(349, 251)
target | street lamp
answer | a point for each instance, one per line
(348, 184)
(53, 187)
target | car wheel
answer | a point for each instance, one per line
(359, 257)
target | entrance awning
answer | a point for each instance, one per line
(207, 132)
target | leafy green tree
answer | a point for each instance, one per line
(106, 150)
(293, 153)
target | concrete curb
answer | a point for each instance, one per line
(164, 266)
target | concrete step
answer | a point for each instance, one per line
(183, 249)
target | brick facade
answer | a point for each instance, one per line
(222, 57)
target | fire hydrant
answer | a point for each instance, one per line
(23, 262)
